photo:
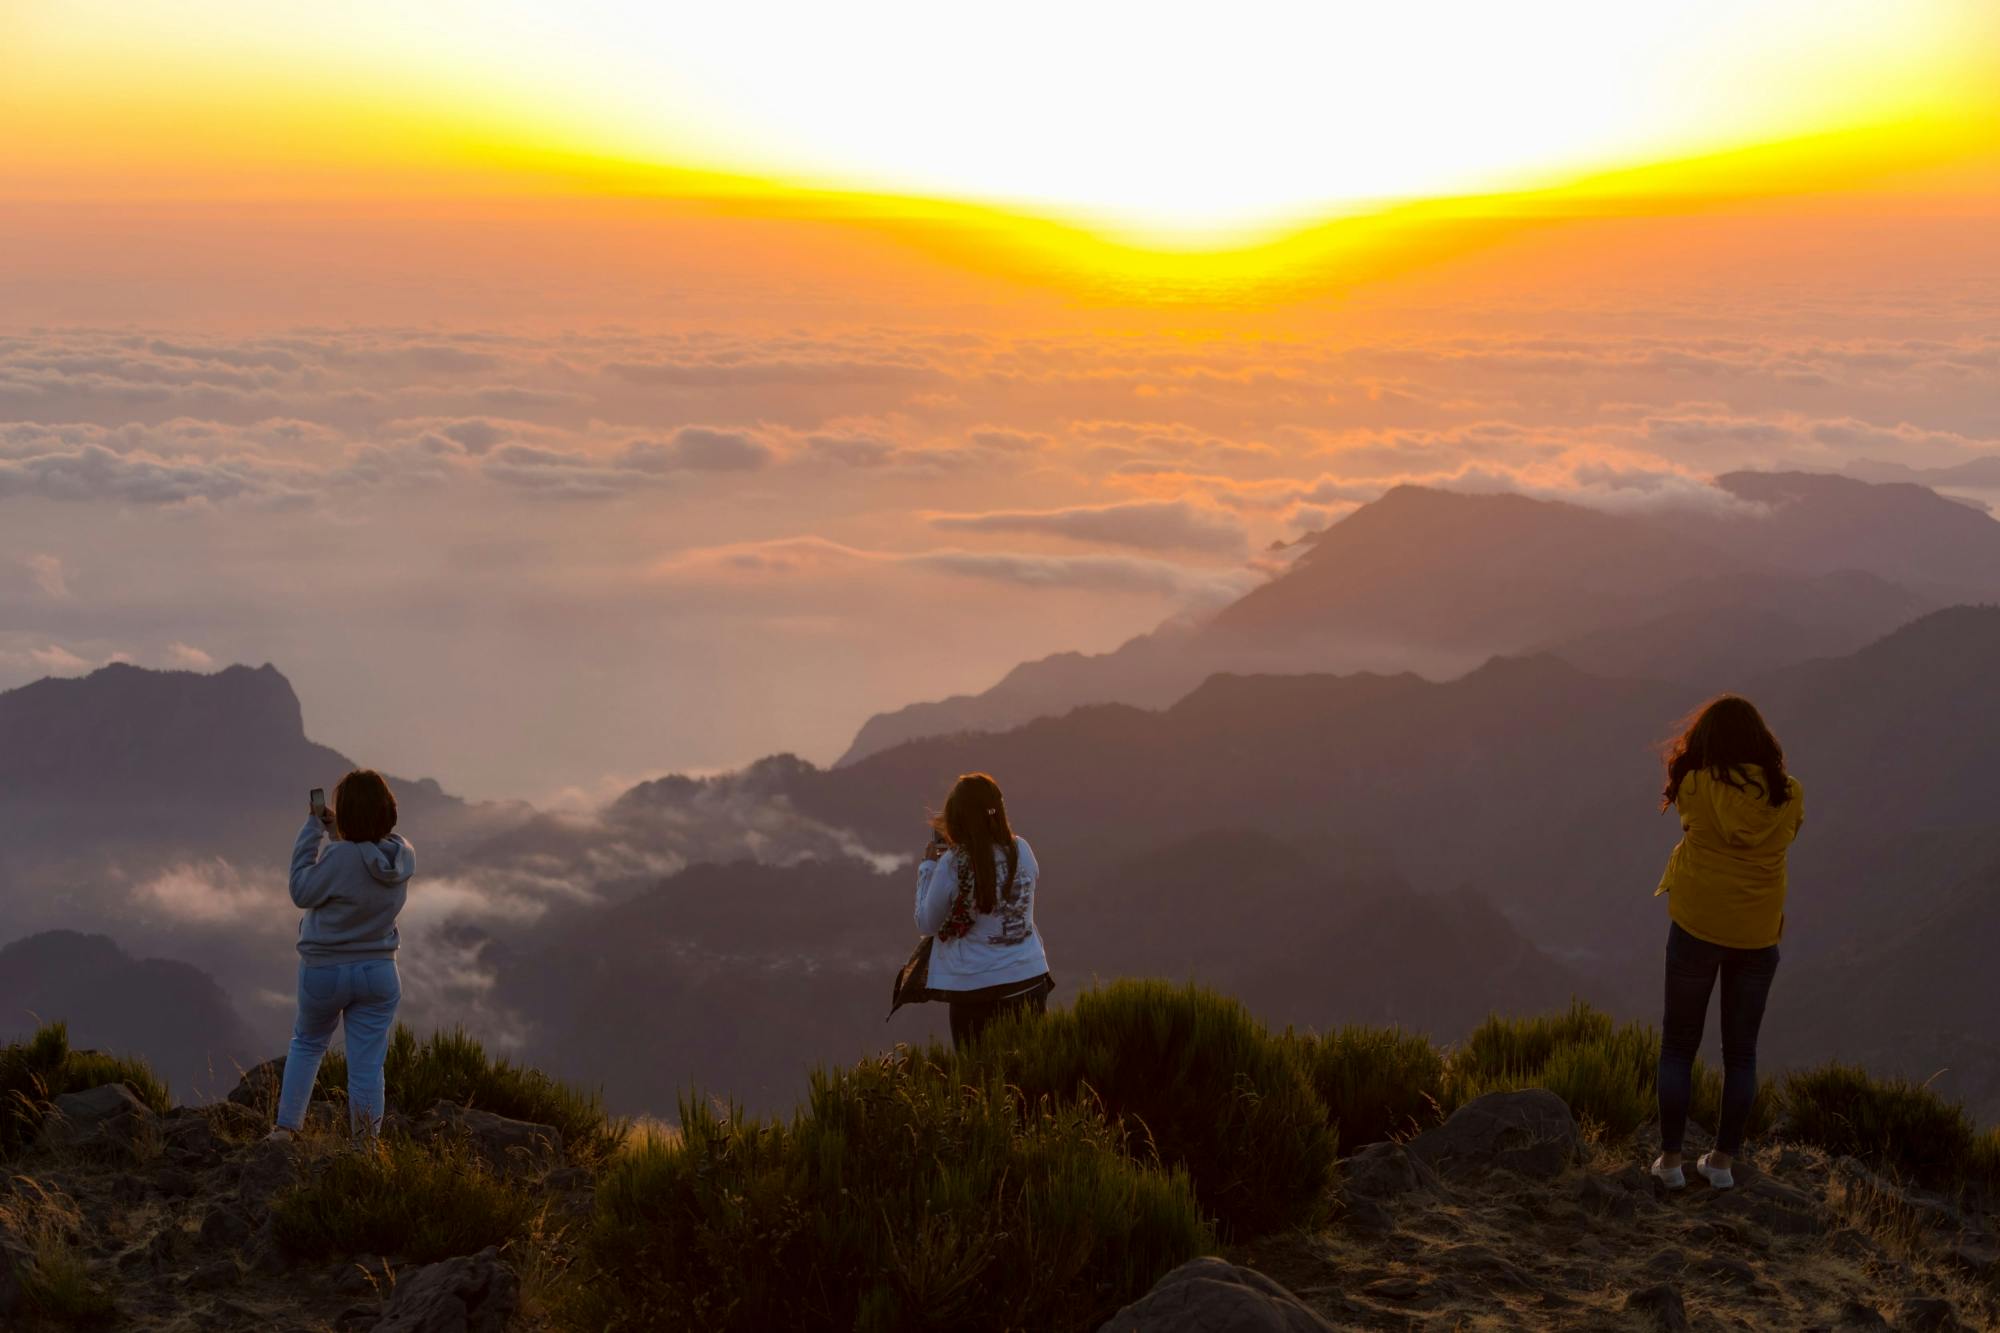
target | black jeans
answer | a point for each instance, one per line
(1692, 967)
(969, 1018)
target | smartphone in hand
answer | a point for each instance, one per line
(318, 800)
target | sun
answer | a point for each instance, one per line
(1176, 126)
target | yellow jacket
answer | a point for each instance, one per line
(1725, 882)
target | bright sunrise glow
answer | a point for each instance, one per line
(1170, 125)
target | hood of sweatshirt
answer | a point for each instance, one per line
(391, 861)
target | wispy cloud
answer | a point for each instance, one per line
(1145, 524)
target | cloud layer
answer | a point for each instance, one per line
(684, 547)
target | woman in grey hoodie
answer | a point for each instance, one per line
(352, 889)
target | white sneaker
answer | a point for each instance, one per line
(1718, 1177)
(280, 1135)
(1672, 1177)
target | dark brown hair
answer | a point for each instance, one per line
(364, 809)
(1725, 740)
(975, 822)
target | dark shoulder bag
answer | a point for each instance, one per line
(913, 983)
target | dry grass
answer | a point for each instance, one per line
(44, 1225)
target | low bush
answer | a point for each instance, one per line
(902, 1195)
(36, 1071)
(428, 1201)
(454, 1067)
(1893, 1124)
(1376, 1082)
(1190, 1075)
(1607, 1072)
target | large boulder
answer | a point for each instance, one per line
(110, 1118)
(1531, 1132)
(504, 1143)
(474, 1293)
(1212, 1296)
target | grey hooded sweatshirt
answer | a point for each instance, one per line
(352, 893)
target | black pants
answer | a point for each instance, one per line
(970, 1016)
(1693, 967)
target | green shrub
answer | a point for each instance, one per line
(454, 1067)
(900, 1196)
(1607, 1072)
(1895, 1125)
(428, 1201)
(1376, 1082)
(36, 1071)
(1192, 1076)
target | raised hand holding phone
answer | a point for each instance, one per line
(317, 798)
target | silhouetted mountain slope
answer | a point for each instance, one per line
(1436, 581)
(1737, 627)
(1528, 779)
(731, 978)
(1817, 524)
(1981, 473)
(1467, 572)
(153, 766)
(1917, 1001)
(169, 1012)
(739, 976)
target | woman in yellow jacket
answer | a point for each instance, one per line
(1725, 887)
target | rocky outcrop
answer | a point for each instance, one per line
(109, 1119)
(1531, 1132)
(1213, 1296)
(474, 1294)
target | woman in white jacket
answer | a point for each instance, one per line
(976, 893)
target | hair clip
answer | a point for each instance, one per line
(992, 809)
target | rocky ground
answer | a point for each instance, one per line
(166, 1224)
(1503, 1218)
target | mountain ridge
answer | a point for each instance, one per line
(1436, 581)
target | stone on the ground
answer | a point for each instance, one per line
(501, 1141)
(1483, 1264)
(1661, 1304)
(1531, 1132)
(258, 1088)
(1773, 1206)
(1606, 1199)
(1860, 1314)
(1210, 1295)
(1385, 1171)
(1928, 1314)
(226, 1228)
(190, 1139)
(106, 1117)
(267, 1169)
(475, 1293)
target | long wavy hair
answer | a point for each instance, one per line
(1725, 740)
(975, 823)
